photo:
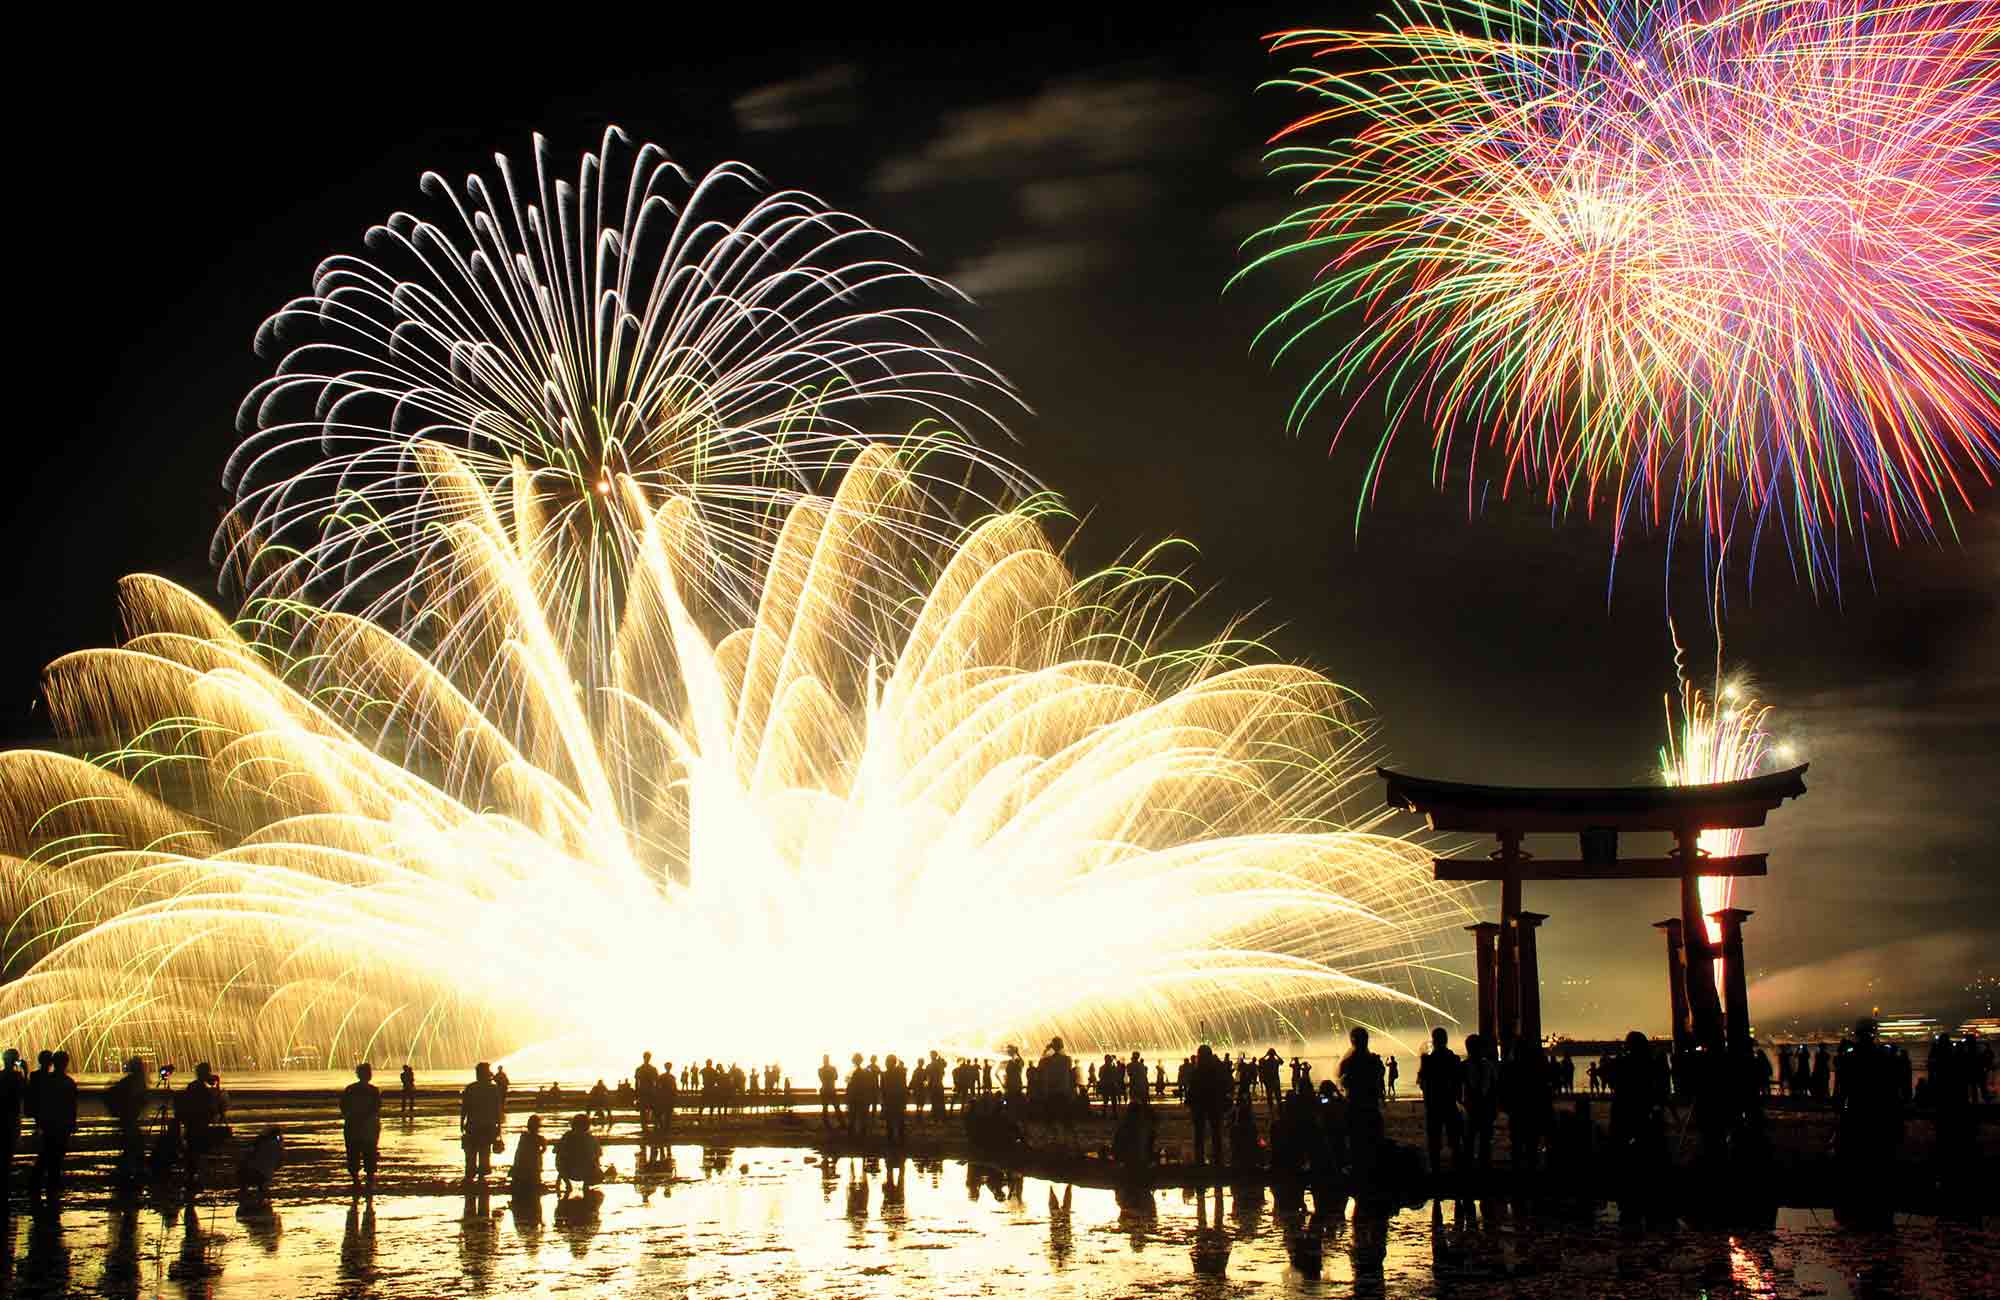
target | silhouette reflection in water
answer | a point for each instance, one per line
(200, 1258)
(578, 1219)
(1138, 1213)
(1211, 1239)
(894, 1214)
(357, 1247)
(261, 1224)
(46, 1264)
(477, 1239)
(121, 1253)
(770, 1234)
(1061, 1243)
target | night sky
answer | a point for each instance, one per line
(1089, 185)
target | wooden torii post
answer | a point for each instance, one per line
(1598, 816)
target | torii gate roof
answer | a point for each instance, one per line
(1725, 805)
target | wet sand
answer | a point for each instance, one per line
(729, 1218)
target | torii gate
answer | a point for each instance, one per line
(1510, 1002)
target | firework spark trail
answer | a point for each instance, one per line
(1722, 734)
(604, 671)
(1735, 262)
(977, 805)
(707, 338)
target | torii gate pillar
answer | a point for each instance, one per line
(1677, 983)
(1703, 1004)
(1510, 940)
(1531, 978)
(1735, 984)
(1483, 963)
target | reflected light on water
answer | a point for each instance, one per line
(770, 1221)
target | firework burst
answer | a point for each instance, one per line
(931, 794)
(707, 338)
(1728, 262)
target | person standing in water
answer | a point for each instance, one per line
(126, 1100)
(479, 1121)
(55, 1123)
(361, 1125)
(829, 1092)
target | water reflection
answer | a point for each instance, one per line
(751, 1222)
(199, 1261)
(1137, 1213)
(121, 1253)
(357, 1248)
(578, 1218)
(1210, 1250)
(261, 1224)
(46, 1263)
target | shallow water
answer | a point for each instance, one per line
(774, 1221)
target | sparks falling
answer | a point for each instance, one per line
(953, 810)
(605, 676)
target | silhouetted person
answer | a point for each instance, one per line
(409, 1081)
(55, 1124)
(666, 1097)
(829, 1092)
(645, 1079)
(361, 1125)
(1362, 1078)
(259, 1166)
(13, 1098)
(198, 1109)
(479, 1121)
(1132, 1142)
(1207, 1100)
(1482, 1099)
(1639, 1096)
(1011, 1074)
(895, 1100)
(1441, 1081)
(860, 1097)
(526, 1173)
(1245, 1156)
(579, 1156)
(1870, 1128)
(1530, 1109)
(126, 1102)
(1395, 1073)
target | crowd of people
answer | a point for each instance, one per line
(1265, 1112)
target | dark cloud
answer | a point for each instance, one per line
(827, 97)
(1032, 266)
(1080, 126)
(1079, 164)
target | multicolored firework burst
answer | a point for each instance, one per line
(1733, 262)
